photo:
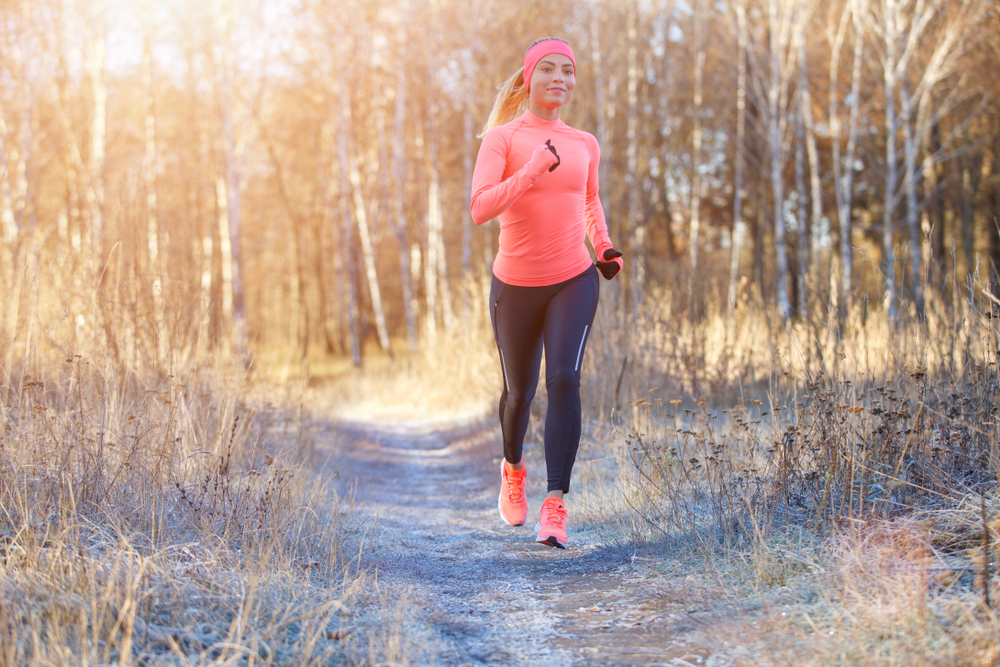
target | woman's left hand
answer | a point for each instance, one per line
(609, 268)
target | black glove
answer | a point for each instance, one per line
(609, 268)
(548, 142)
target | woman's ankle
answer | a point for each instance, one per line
(514, 467)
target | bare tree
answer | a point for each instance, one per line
(918, 113)
(228, 184)
(399, 219)
(780, 21)
(815, 186)
(636, 230)
(156, 258)
(843, 166)
(739, 226)
(96, 49)
(696, 132)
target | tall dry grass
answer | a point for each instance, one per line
(158, 511)
(854, 464)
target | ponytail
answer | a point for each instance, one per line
(510, 101)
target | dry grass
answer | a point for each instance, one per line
(843, 484)
(840, 479)
(169, 522)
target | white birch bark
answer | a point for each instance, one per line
(636, 240)
(8, 227)
(399, 218)
(891, 9)
(431, 261)
(900, 32)
(16, 162)
(205, 248)
(815, 187)
(226, 254)
(917, 119)
(367, 249)
(739, 225)
(800, 210)
(780, 14)
(347, 249)
(843, 167)
(912, 210)
(95, 68)
(696, 138)
(436, 267)
(230, 233)
(468, 134)
(156, 263)
(599, 101)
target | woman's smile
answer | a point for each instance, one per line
(552, 83)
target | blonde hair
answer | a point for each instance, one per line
(511, 99)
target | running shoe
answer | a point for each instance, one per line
(551, 524)
(512, 504)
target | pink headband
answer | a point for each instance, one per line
(539, 51)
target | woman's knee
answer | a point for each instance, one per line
(518, 401)
(563, 382)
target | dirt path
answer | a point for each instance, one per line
(483, 592)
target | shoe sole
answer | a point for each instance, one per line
(500, 510)
(550, 541)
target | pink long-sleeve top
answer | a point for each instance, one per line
(543, 215)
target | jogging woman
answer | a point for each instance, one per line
(539, 176)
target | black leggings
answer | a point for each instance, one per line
(526, 319)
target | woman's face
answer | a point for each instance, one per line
(552, 81)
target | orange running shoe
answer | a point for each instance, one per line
(551, 524)
(512, 504)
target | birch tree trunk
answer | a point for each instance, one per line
(433, 244)
(779, 21)
(156, 263)
(699, 69)
(400, 223)
(367, 249)
(229, 224)
(912, 211)
(208, 229)
(326, 248)
(95, 69)
(800, 209)
(8, 227)
(632, 157)
(843, 167)
(891, 10)
(468, 134)
(347, 249)
(739, 226)
(227, 264)
(15, 163)
(815, 187)
(599, 101)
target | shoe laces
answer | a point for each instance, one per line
(554, 515)
(515, 489)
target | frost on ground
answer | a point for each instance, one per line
(475, 591)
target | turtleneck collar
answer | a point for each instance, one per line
(532, 119)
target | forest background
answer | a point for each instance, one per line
(295, 176)
(207, 208)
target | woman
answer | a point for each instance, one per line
(539, 176)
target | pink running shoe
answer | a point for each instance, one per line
(512, 504)
(551, 524)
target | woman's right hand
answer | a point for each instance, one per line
(543, 158)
